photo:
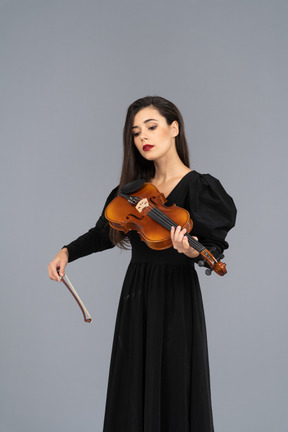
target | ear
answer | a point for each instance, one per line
(174, 127)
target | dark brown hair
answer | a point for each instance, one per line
(134, 165)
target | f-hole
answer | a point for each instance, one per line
(151, 199)
(134, 216)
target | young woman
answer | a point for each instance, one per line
(159, 372)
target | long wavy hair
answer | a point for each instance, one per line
(134, 166)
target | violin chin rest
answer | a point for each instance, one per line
(132, 186)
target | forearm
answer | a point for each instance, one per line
(95, 240)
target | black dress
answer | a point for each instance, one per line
(159, 372)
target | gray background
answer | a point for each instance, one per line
(69, 70)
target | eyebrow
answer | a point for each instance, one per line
(146, 121)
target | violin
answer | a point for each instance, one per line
(140, 206)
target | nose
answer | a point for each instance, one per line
(143, 136)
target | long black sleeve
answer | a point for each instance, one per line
(96, 239)
(212, 210)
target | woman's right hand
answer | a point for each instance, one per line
(56, 268)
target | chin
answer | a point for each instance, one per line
(148, 157)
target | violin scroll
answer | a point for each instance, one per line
(213, 263)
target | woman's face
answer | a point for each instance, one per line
(153, 137)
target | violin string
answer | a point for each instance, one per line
(161, 218)
(165, 221)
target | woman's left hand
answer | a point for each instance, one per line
(180, 242)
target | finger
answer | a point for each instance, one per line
(176, 232)
(177, 239)
(183, 245)
(173, 234)
(186, 243)
(52, 272)
(179, 234)
(61, 270)
(182, 234)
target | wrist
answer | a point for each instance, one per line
(192, 253)
(65, 251)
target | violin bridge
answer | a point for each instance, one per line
(143, 203)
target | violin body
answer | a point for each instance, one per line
(141, 207)
(124, 217)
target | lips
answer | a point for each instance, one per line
(147, 147)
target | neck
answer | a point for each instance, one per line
(168, 168)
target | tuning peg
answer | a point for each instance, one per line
(208, 271)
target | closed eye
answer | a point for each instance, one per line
(152, 128)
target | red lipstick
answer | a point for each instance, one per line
(147, 147)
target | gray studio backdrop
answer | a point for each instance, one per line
(69, 70)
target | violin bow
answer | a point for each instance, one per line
(68, 284)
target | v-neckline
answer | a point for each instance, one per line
(176, 186)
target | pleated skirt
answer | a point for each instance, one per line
(159, 372)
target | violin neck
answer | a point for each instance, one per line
(195, 244)
(166, 222)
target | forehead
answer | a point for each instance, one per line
(145, 114)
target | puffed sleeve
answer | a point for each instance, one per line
(96, 239)
(213, 213)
